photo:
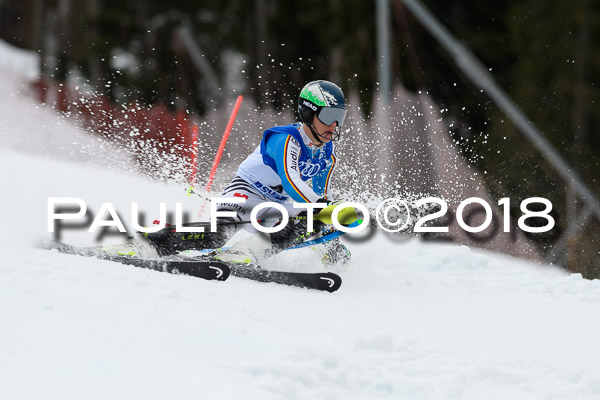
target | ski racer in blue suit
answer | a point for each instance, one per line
(292, 163)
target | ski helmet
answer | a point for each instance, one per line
(323, 99)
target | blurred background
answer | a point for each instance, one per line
(452, 99)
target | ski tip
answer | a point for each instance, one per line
(330, 282)
(220, 270)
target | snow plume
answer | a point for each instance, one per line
(160, 141)
(157, 140)
(405, 152)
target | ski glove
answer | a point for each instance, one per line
(345, 217)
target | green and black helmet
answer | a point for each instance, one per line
(323, 99)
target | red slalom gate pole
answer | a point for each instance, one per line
(219, 154)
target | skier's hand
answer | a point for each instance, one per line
(345, 217)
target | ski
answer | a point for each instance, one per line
(202, 267)
(326, 281)
(205, 269)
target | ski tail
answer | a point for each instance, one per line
(205, 269)
(325, 281)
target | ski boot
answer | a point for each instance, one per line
(251, 251)
(134, 247)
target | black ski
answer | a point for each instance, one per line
(209, 269)
(326, 281)
(205, 269)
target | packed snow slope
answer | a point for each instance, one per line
(412, 320)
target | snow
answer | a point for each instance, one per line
(413, 320)
(14, 60)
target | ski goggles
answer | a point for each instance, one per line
(329, 115)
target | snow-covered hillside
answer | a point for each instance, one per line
(412, 320)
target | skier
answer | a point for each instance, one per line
(277, 171)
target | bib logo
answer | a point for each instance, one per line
(309, 170)
(310, 105)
